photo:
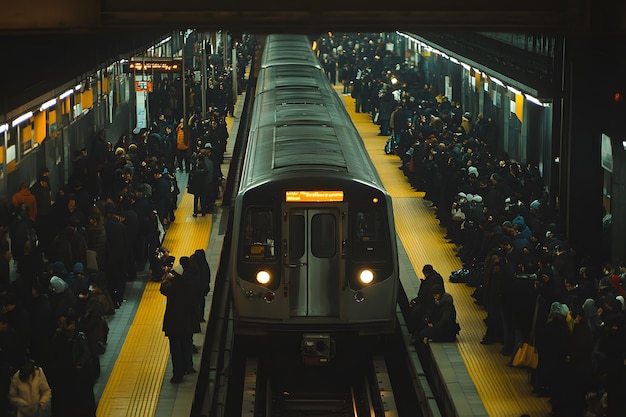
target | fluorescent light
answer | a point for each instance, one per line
(4, 127)
(623, 142)
(453, 59)
(22, 118)
(464, 65)
(497, 81)
(513, 90)
(78, 87)
(66, 94)
(476, 70)
(533, 99)
(48, 104)
(164, 41)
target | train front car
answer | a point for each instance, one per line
(314, 250)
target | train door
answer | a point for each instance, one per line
(314, 250)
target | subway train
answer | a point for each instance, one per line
(314, 245)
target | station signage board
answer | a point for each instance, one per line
(143, 86)
(153, 66)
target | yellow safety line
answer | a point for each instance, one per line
(135, 382)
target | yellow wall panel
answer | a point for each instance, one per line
(52, 117)
(27, 136)
(87, 100)
(105, 85)
(519, 107)
(40, 127)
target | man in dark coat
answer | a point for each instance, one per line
(442, 325)
(180, 321)
(41, 191)
(118, 252)
(423, 304)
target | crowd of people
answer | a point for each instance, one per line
(65, 259)
(497, 212)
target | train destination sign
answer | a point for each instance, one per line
(313, 196)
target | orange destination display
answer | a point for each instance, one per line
(313, 196)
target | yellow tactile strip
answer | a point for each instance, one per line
(505, 391)
(135, 382)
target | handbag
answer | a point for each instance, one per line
(527, 355)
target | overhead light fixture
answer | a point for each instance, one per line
(4, 127)
(22, 118)
(513, 90)
(66, 94)
(533, 99)
(48, 104)
(623, 142)
(497, 81)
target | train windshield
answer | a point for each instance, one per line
(368, 235)
(259, 234)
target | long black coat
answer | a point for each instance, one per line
(181, 318)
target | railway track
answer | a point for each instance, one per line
(317, 392)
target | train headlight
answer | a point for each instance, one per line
(263, 277)
(366, 276)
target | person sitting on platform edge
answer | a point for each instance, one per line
(442, 325)
(423, 304)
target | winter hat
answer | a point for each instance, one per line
(558, 308)
(518, 221)
(178, 269)
(477, 199)
(57, 284)
(79, 268)
(472, 170)
(535, 205)
(621, 301)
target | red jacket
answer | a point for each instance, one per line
(25, 196)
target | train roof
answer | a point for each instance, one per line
(300, 124)
(284, 49)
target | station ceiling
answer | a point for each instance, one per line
(43, 41)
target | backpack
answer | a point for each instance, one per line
(390, 145)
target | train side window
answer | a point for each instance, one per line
(259, 234)
(323, 236)
(296, 237)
